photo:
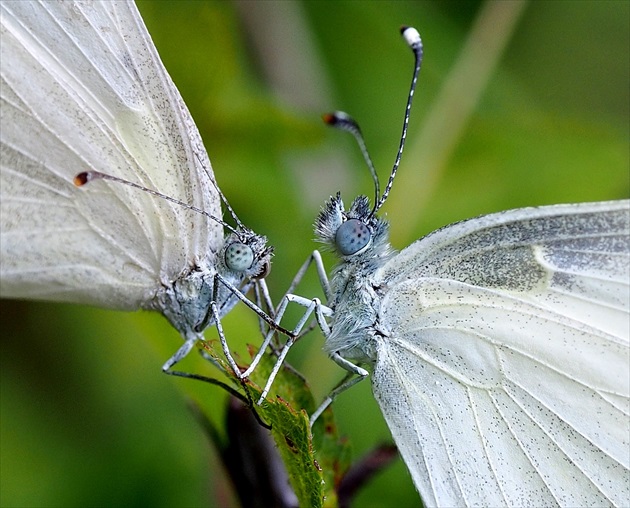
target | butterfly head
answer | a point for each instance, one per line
(353, 232)
(358, 231)
(247, 254)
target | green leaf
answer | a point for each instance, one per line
(314, 461)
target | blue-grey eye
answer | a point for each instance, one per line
(352, 236)
(238, 257)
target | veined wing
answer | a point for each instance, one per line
(494, 401)
(83, 89)
(512, 391)
(574, 259)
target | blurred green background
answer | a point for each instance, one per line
(87, 417)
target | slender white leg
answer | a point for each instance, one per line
(214, 316)
(311, 306)
(270, 334)
(263, 298)
(346, 383)
(316, 258)
(288, 297)
(321, 312)
(268, 319)
(224, 344)
(180, 353)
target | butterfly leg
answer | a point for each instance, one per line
(268, 337)
(213, 316)
(347, 382)
(256, 308)
(190, 342)
(263, 316)
(261, 292)
(311, 306)
(288, 297)
(224, 344)
(279, 313)
(185, 348)
(314, 258)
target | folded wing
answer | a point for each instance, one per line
(82, 88)
(512, 389)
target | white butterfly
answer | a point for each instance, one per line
(499, 347)
(83, 89)
(499, 350)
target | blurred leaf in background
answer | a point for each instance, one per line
(87, 417)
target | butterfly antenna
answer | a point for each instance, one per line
(239, 224)
(412, 37)
(345, 122)
(88, 176)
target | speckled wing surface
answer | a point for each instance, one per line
(502, 361)
(83, 88)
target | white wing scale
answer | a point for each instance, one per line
(102, 101)
(509, 384)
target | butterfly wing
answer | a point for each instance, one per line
(504, 370)
(571, 258)
(83, 88)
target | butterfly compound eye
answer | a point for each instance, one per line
(352, 237)
(238, 257)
